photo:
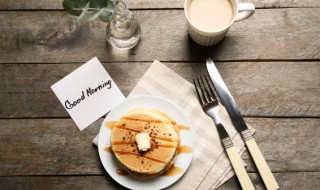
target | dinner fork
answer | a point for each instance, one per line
(210, 106)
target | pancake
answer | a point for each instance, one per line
(164, 142)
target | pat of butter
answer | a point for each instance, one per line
(143, 141)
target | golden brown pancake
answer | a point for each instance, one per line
(164, 142)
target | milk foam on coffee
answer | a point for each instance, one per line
(210, 15)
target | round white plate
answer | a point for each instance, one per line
(109, 161)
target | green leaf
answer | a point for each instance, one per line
(92, 4)
(107, 12)
(82, 3)
(93, 15)
(99, 8)
(85, 9)
(101, 3)
(110, 6)
(105, 15)
(74, 7)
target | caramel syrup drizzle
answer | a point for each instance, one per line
(138, 131)
(164, 138)
(181, 150)
(173, 170)
(122, 172)
(108, 149)
(182, 127)
(122, 142)
(144, 156)
(159, 145)
(110, 124)
(184, 149)
(126, 128)
(148, 121)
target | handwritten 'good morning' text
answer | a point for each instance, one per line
(87, 93)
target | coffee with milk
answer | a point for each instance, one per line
(210, 15)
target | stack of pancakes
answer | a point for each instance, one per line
(164, 135)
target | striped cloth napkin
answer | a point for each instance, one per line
(210, 166)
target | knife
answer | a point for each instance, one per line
(239, 123)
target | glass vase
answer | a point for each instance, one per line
(123, 31)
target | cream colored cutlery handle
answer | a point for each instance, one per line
(264, 170)
(238, 167)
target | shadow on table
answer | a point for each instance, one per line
(198, 52)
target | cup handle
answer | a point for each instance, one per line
(245, 11)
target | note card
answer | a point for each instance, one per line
(88, 93)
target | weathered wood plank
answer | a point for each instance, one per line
(48, 147)
(57, 147)
(287, 181)
(259, 88)
(59, 182)
(147, 4)
(286, 143)
(271, 34)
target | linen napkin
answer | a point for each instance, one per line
(210, 166)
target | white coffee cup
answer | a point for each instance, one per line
(208, 38)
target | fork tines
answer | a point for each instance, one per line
(204, 90)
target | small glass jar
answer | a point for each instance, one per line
(123, 31)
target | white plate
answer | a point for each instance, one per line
(109, 161)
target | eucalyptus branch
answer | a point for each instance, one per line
(90, 9)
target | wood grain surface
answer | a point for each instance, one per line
(148, 4)
(56, 147)
(289, 89)
(270, 62)
(287, 181)
(270, 34)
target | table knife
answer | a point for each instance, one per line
(241, 126)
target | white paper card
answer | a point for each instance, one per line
(88, 93)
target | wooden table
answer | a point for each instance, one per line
(270, 62)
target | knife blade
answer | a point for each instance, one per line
(227, 100)
(241, 126)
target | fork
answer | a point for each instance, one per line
(210, 106)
